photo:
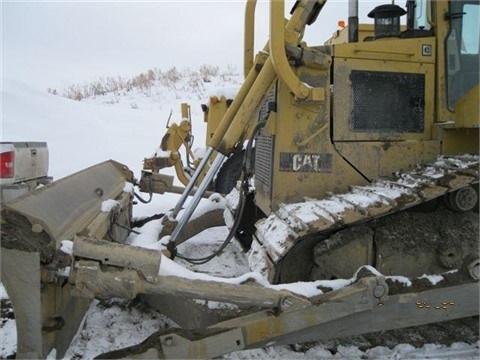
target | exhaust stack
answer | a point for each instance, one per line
(353, 21)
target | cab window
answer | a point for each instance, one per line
(462, 45)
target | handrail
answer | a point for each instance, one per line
(259, 88)
(282, 36)
(249, 40)
(278, 54)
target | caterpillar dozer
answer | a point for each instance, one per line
(359, 167)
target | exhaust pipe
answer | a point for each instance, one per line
(353, 21)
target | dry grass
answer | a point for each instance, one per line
(173, 79)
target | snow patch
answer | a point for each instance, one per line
(277, 237)
(232, 199)
(401, 279)
(386, 190)
(3, 292)
(128, 188)
(66, 247)
(226, 92)
(256, 259)
(159, 153)
(409, 181)
(433, 173)
(52, 355)
(109, 205)
(434, 279)
(360, 200)
(214, 202)
(8, 337)
(148, 238)
(308, 289)
(199, 153)
(216, 305)
(64, 272)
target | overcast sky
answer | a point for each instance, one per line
(58, 43)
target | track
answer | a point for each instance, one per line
(346, 231)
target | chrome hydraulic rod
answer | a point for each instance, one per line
(192, 182)
(197, 197)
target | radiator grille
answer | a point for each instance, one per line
(264, 147)
(387, 102)
(263, 164)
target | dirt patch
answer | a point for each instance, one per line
(413, 243)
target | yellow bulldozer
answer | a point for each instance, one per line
(358, 160)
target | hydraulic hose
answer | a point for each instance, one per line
(246, 175)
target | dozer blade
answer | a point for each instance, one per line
(33, 226)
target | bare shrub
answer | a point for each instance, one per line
(208, 71)
(230, 72)
(142, 81)
(115, 84)
(97, 88)
(151, 75)
(170, 77)
(194, 82)
(74, 92)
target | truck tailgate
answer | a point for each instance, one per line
(29, 161)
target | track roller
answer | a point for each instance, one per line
(462, 200)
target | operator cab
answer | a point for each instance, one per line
(462, 42)
(462, 49)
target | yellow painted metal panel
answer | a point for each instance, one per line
(460, 141)
(467, 109)
(382, 159)
(389, 49)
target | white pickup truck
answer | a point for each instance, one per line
(23, 167)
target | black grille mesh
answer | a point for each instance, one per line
(387, 102)
(264, 146)
(264, 163)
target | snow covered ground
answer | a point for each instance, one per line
(128, 127)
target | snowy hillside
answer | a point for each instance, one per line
(127, 126)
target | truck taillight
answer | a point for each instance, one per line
(7, 165)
